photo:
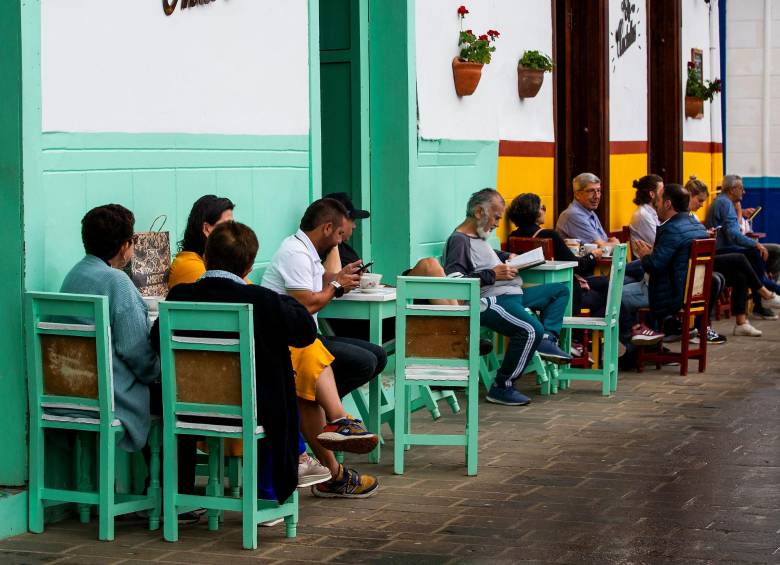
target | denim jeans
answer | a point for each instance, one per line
(635, 296)
(508, 316)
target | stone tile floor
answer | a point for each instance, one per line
(670, 470)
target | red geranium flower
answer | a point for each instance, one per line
(462, 11)
(469, 32)
(493, 33)
(483, 37)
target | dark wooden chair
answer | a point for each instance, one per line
(723, 307)
(524, 244)
(696, 305)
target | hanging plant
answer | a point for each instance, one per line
(697, 91)
(475, 52)
(530, 73)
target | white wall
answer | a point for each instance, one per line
(628, 76)
(228, 67)
(696, 21)
(746, 115)
(494, 111)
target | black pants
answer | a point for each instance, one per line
(187, 446)
(357, 362)
(740, 276)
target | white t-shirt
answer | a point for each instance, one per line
(295, 266)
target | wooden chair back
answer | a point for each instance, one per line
(524, 244)
(69, 354)
(213, 373)
(699, 279)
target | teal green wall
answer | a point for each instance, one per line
(152, 174)
(447, 173)
(13, 391)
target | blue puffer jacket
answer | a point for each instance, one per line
(667, 265)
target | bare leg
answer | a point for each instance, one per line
(312, 422)
(430, 267)
(327, 395)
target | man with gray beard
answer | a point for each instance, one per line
(503, 299)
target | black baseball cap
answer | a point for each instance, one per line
(354, 213)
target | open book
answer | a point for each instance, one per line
(527, 260)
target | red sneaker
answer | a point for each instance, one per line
(642, 335)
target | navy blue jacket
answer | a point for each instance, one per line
(667, 265)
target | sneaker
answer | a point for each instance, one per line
(761, 312)
(642, 335)
(549, 351)
(714, 337)
(507, 396)
(311, 472)
(747, 330)
(485, 347)
(347, 434)
(351, 485)
(769, 303)
(273, 522)
(191, 517)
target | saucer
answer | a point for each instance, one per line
(375, 290)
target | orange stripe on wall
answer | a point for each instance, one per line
(526, 149)
(627, 147)
(702, 147)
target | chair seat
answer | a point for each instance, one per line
(582, 321)
(206, 426)
(436, 373)
(78, 420)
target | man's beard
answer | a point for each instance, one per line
(482, 232)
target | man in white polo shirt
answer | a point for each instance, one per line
(296, 269)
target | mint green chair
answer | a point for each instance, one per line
(209, 389)
(69, 367)
(436, 346)
(608, 325)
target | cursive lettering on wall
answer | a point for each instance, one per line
(170, 5)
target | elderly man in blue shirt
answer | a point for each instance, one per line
(579, 220)
(722, 216)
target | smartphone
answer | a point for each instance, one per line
(365, 267)
(754, 214)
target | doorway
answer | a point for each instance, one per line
(664, 105)
(581, 97)
(344, 107)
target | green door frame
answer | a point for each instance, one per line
(13, 389)
(357, 55)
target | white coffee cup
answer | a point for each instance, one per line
(590, 248)
(606, 251)
(370, 280)
(574, 249)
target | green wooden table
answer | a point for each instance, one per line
(374, 307)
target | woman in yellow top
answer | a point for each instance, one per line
(189, 265)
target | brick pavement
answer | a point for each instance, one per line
(670, 470)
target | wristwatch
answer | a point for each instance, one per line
(338, 287)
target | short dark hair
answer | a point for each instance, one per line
(524, 209)
(678, 196)
(207, 209)
(644, 186)
(323, 211)
(105, 229)
(231, 247)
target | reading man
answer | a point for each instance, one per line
(504, 301)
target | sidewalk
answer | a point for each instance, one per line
(669, 470)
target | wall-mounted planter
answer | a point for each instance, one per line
(694, 107)
(466, 76)
(529, 81)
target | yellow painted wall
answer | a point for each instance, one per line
(517, 175)
(623, 170)
(707, 167)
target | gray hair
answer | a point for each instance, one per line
(482, 199)
(729, 182)
(584, 179)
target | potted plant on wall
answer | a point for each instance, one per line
(475, 52)
(697, 91)
(530, 73)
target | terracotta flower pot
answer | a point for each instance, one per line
(466, 76)
(694, 108)
(529, 81)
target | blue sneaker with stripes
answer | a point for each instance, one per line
(507, 396)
